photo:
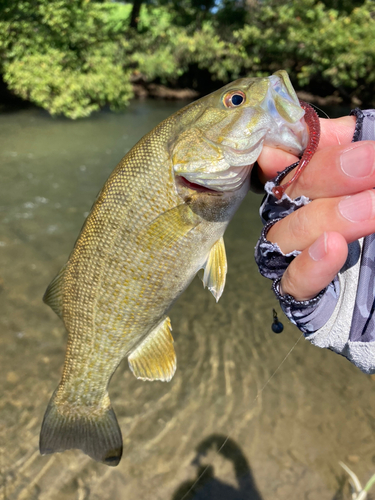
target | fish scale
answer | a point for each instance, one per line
(159, 218)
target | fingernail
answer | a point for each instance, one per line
(319, 248)
(359, 207)
(358, 161)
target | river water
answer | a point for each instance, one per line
(289, 421)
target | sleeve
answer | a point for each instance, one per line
(341, 317)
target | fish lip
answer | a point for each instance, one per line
(299, 140)
(222, 186)
(242, 152)
(263, 136)
(252, 144)
(184, 182)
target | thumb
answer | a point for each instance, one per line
(271, 161)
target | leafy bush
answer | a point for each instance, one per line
(66, 56)
(73, 58)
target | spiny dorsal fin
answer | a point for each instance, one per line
(155, 358)
(54, 293)
(215, 270)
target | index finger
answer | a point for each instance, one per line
(337, 171)
(334, 131)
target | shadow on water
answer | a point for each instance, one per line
(208, 487)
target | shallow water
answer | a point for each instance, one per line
(288, 429)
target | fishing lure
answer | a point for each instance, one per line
(277, 326)
(312, 121)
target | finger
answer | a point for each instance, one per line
(337, 131)
(352, 216)
(337, 171)
(334, 132)
(272, 161)
(315, 268)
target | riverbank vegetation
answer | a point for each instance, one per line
(73, 58)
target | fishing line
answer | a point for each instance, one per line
(328, 117)
(252, 404)
(321, 110)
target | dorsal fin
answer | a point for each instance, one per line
(215, 269)
(155, 358)
(54, 293)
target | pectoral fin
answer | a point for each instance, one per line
(215, 270)
(155, 358)
(168, 228)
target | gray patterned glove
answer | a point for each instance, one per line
(341, 317)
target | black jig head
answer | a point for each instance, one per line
(277, 326)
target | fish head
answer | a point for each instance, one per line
(228, 129)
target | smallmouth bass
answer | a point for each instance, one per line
(158, 220)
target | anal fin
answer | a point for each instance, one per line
(215, 269)
(155, 357)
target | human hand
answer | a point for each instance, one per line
(339, 179)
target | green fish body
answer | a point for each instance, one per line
(158, 220)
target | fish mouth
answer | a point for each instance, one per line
(230, 179)
(183, 181)
(228, 174)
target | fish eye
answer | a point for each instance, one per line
(234, 99)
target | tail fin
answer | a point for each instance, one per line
(99, 436)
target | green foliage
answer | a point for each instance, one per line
(75, 57)
(314, 44)
(164, 50)
(66, 56)
(70, 87)
(321, 42)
